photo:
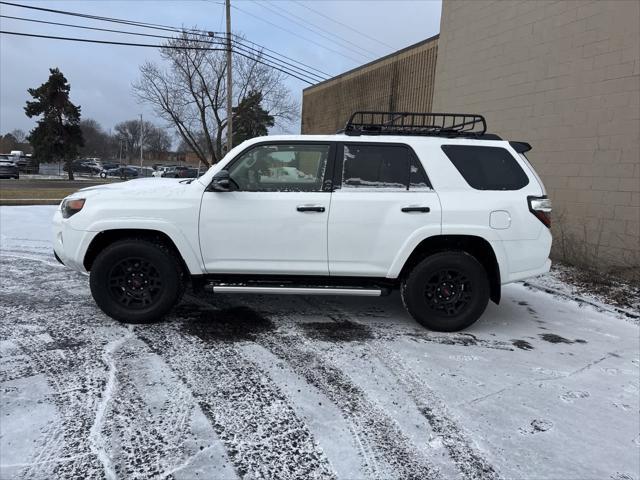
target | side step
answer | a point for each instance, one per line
(367, 292)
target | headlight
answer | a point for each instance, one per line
(71, 206)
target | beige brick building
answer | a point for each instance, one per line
(388, 83)
(562, 75)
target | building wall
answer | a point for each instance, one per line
(564, 76)
(402, 81)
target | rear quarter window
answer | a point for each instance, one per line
(487, 168)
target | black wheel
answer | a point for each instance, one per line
(136, 281)
(446, 291)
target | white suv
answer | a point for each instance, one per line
(426, 203)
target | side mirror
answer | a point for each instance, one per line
(221, 182)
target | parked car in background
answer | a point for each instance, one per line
(25, 163)
(110, 165)
(174, 172)
(143, 171)
(82, 166)
(161, 169)
(123, 172)
(8, 168)
(188, 173)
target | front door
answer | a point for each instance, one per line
(275, 219)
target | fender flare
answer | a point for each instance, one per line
(190, 253)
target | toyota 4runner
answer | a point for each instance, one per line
(426, 203)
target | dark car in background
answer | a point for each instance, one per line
(84, 167)
(174, 172)
(122, 172)
(8, 168)
(188, 173)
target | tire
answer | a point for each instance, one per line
(136, 280)
(446, 291)
(103, 174)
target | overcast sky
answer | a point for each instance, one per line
(101, 75)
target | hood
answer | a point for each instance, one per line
(143, 187)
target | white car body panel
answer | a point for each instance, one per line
(368, 230)
(263, 233)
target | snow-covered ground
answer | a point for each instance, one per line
(305, 387)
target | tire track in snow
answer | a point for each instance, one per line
(324, 419)
(262, 434)
(388, 450)
(461, 450)
(67, 352)
(148, 425)
(98, 444)
(373, 427)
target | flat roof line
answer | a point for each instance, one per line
(392, 54)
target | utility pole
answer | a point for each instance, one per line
(141, 137)
(229, 79)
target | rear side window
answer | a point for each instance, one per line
(381, 166)
(487, 168)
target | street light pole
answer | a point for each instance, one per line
(229, 79)
(141, 137)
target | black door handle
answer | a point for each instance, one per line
(310, 208)
(416, 209)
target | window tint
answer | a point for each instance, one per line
(380, 166)
(487, 168)
(268, 168)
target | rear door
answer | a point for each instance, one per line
(382, 202)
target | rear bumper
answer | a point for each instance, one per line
(517, 276)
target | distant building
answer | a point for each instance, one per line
(562, 75)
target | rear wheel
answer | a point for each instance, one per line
(136, 281)
(446, 291)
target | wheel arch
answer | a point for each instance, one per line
(108, 237)
(476, 246)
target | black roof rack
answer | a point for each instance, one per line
(422, 124)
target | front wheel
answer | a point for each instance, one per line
(136, 281)
(447, 291)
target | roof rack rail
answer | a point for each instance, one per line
(421, 124)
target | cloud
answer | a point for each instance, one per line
(101, 75)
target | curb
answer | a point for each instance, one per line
(603, 308)
(15, 202)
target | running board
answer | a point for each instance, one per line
(367, 292)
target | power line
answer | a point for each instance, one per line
(129, 44)
(297, 35)
(315, 29)
(168, 28)
(311, 75)
(350, 27)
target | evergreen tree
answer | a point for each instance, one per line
(57, 136)
(250, 119)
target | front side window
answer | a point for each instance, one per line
(381, 167)
(487, 168)
(274, 168)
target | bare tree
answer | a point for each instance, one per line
(19, 135)
(190, 93)
(155, 140)
(97, 142)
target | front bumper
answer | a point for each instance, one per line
(70, 245)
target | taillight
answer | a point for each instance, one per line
(541, 208)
